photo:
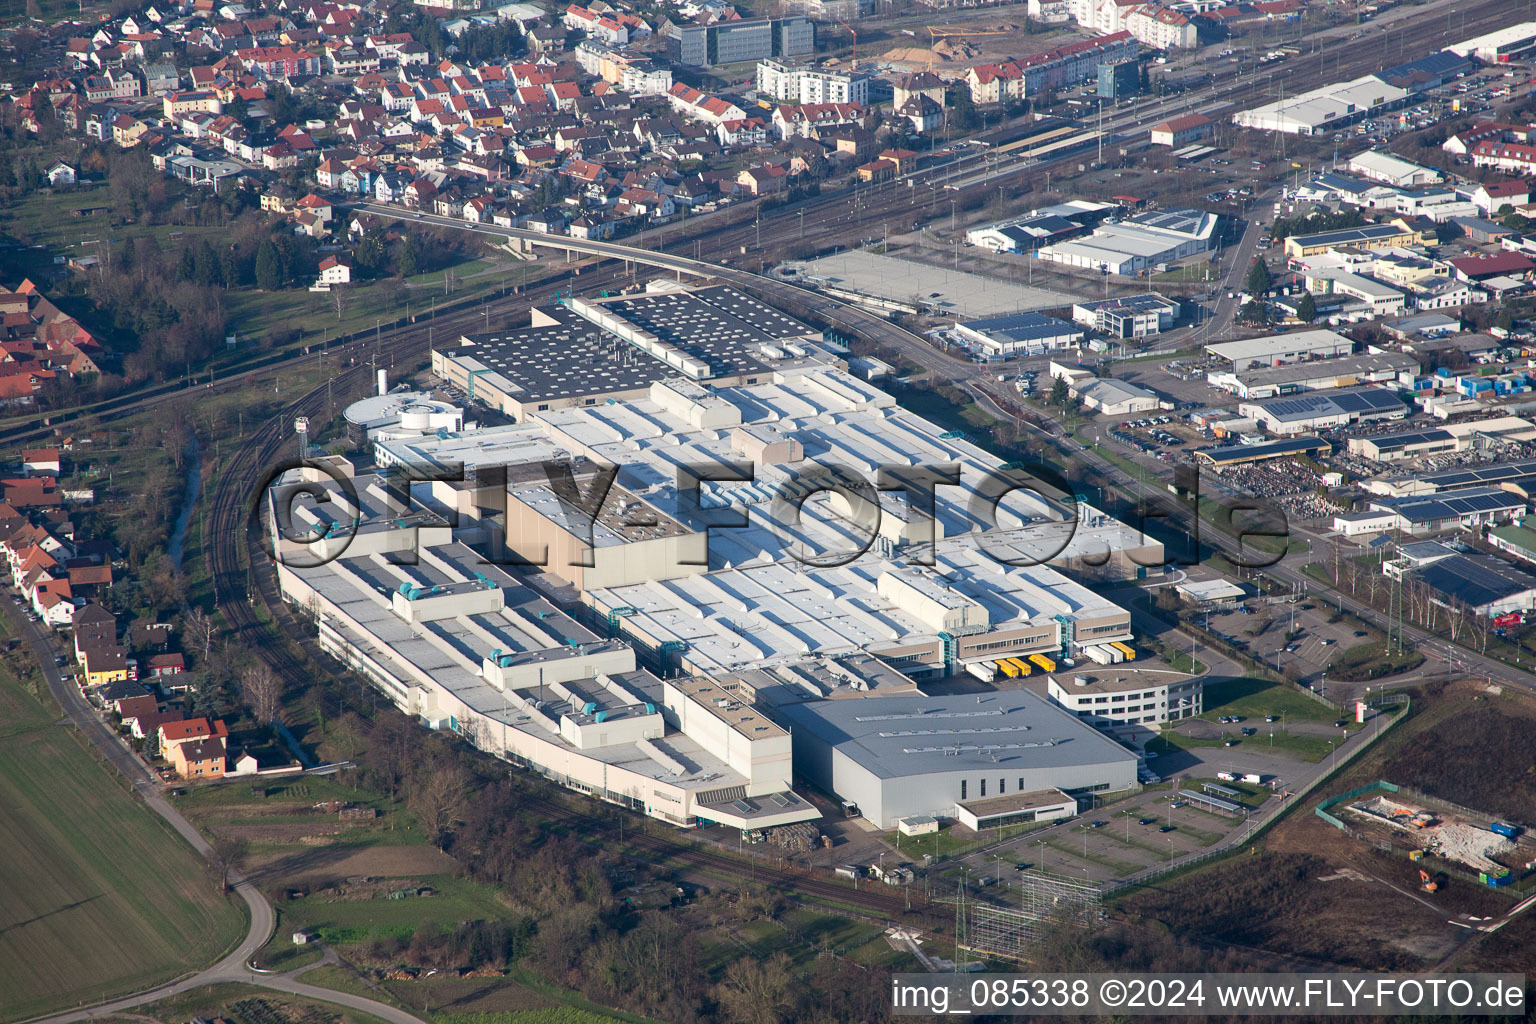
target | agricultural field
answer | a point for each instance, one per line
(241, 1004)
(105, 892)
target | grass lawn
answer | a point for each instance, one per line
(102, 898)
(931, 406)
(1372, 661)
(1305, 747)
(454, 900)
(944, 843)
(1252, 699)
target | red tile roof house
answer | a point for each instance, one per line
(173, 733)
(202, 758)
(129, 709)
(41, 461)
(166, 665)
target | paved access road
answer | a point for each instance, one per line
(232, 968)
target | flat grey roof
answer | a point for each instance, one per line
(952, 292)
(1340, 366)
(567, 359)
(575, 357)
(899, 736)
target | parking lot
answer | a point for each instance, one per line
(1263, 634)
(1147, 828)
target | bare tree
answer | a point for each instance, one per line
(757, 992)
(227, 851)
(339, 298)
(200, 627)
(439, 797)
(263, 691)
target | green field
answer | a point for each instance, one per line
(1254, 698)
(454, 900)
(101, 897)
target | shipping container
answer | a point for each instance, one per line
(1043, 661)
(1506, 830)
(1024, 667)
(983, 670)
(1008, 668)
(1128, 651)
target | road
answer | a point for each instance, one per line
(233, 966)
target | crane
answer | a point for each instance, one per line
(855, 35)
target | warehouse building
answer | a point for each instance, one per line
(1468, 508)
(1317, 375)
(1140, 243)
(1399, 447)
(903, 756)
(1307, 413)
(1326, 108)
(1292, 415)
(1393, 170)
(1115, 397)
(1279, 349)
(1500, 474)
(792, 583)
(1485, 585)
(1022, 334)
(583, 351)
(1031, 230)
(1500, 46)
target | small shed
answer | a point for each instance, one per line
(917, 825)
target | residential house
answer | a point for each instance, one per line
(198, 759)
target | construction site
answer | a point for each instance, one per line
(937, 47)
(1434, 834)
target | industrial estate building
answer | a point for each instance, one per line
(904, 756)
(683, 649)
(1119, 698)
(1278, 349)
(1318, 375)
(1027, 334)
(587, 351)
(1306, 413)
(1130, 316)
(1140, 243)
(1325, 108)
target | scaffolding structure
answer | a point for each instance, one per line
(1045, 900)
